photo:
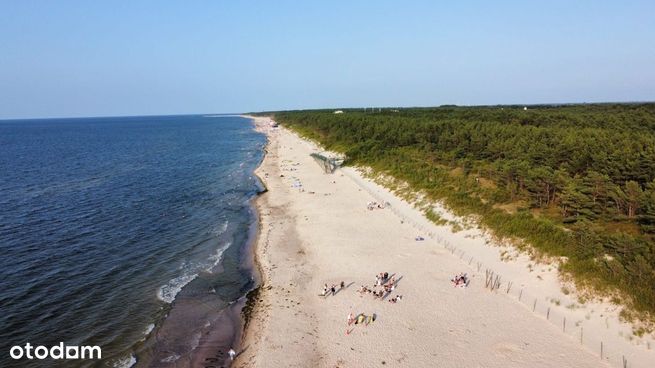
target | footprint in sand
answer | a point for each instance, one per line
(506, 350)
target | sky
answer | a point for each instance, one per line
(93, 58)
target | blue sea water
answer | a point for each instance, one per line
(103, 221)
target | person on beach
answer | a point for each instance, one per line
(343, 285)
(232, 353)
(333, 289)
(396, 299)
(351, 318)
(461, 279)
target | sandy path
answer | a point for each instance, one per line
(325, 234)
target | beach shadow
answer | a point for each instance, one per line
(345, 287)
(398, 280)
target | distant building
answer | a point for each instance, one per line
(273, 124)
(525, 108)
(338, 112)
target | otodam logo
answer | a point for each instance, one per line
(56, 352)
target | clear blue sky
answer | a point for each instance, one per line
(92, 58)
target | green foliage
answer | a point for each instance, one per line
(581, 178)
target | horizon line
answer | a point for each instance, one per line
(338, 107)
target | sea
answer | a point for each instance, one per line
(128, 233)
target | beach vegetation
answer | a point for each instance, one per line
(574, 181)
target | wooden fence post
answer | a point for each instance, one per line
(581, 330)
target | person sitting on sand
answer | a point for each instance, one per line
(351, 318)
(333, 289)
(460, 279)
(342, 285)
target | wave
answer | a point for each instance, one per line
(170, 358)
(126, 362)
(216, 257)
(148, 330)
(168, 292)
(219, 229)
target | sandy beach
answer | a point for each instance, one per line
(316, 229)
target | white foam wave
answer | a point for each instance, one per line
(170, 359)
(219, 229)
(168, 292)
(216, 257)
(126, 362)
(149, 329)
(196, 340)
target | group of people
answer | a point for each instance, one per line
(461, 280)
(388, 286)
(373, 205)
(396, 299)
(332, 289)
(361, 319)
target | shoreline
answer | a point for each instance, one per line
(263, 297)
(258, 273)
(275, 336)
(223, 329)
